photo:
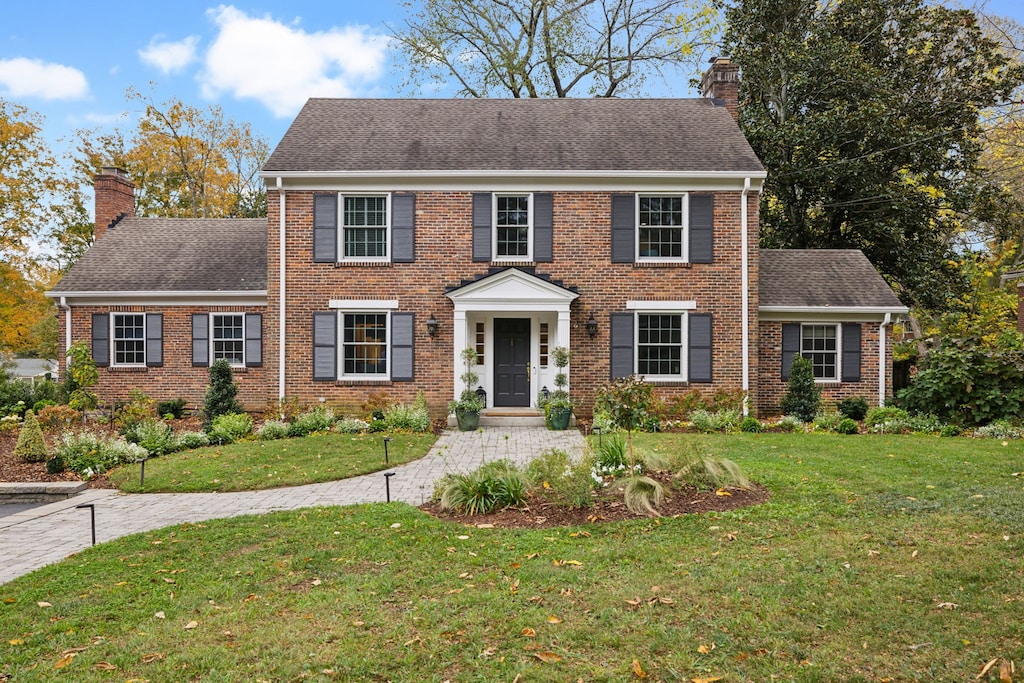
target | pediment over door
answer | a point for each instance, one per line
(512, 289)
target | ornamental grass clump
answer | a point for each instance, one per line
(496, 485)
(31, 446)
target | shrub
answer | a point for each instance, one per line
(229, 428)
(155, 436)
(88, 455)
(189, 440)
(175, 407)
(881, 414)
(728, 399)
(375, 405)
(220, 395)
(951, 430)
(566, 482)
(54, 417)
(999, 429)
(318, 419)
(138, 409)
(412, 418)
(41, 404)
(802, 395)
(9, 423)
(350, 425)
(789, 423)
(681, 407)
(854, 408)
(31, 446)
(751, 425)
(81, 376)
(272, 429)
(719, 421)
(827, 421)
(627, 401)
(55, 465)
(498, 484)
(847, 426)
(611, 457)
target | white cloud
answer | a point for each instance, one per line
(168, 56)
(21, 77)
(281, 65)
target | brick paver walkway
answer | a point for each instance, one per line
(49, 533)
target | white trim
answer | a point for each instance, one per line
(839, 350)
(684, 347)
(340, 344)
(834, 310)
(63, 305)
(340, 228)
(535, 173)
(210, 340)
(745, 298)
(661, 306)
(882, 359)
(282, 291)
(652, 182)
(112, 350)
(529, 229)
(685, 228)
(363, 304)
(141, 294)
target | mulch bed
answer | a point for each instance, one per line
(541, 513)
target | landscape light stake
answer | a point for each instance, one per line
(387, 484)
(386, 440)
(142, 472)
(92, 513)
(599, 431)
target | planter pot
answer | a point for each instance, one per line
(468, 421)
(559, 419)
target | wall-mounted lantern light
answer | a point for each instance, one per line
(432, 326)
(592, 326)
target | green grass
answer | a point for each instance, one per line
(849, 573)
(252, 465)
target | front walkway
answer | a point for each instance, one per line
(49, 533)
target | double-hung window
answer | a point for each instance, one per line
(660, 345)
(364, 227)
(661, 222)
(128, 332)
(364, 345)
(820, 345)
(227, 337)
(513, 227)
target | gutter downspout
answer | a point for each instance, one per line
(881, 358)
(745, 297)
(281, 292)
(63, 305)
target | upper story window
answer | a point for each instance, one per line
(129, 337)
(513, 228)
(820, 344)
(661, 227)
(365, 227)
(227, 336)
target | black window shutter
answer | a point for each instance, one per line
(621, 325)
(623, 228)
(253, 340)
(101, 339)
(403, 228)
(200, 340)
(851, 352)
(790, 346)
(700, 347)
(543, 227)
(154, 340)
(325, 344)
(325, 228)
(702, 228)
(402, 328)
(482, 226)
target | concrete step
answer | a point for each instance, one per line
(39, 492)
(509, 417)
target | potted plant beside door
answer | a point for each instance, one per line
(468, 406)
(558, 407)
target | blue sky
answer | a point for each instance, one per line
(73, 61)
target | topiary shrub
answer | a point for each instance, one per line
(855, 407)
(31, 446)
(803, 396)
(220, 395)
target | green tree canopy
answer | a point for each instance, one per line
(868, 117)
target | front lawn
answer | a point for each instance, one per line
(878, 558)
(252, 465)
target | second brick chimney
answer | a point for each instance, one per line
(115, 198)
(722, 82)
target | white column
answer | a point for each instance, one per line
(460, 339)
(562, 337)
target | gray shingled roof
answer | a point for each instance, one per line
(838, 278)
(174, 255)
(513, 135)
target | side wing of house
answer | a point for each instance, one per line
(832, 307)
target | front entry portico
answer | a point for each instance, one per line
(512, 318)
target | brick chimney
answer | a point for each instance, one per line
(115, 198)
(721, 82)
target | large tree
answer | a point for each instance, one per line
(867, 115)
(184, 161)
(551, 48)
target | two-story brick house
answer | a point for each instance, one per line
(400, 232)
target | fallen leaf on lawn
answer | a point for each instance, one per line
(638, 670)
(1005, 671)
(168, 579)
(316, 582)
(947, 605)
(104, 666)
(64, 661)
(706, 649)
(152, 657)
(706, 680)
(462, 538)
(396, 525)
(484, 526)
(633, 603)
(554, 620)
(528, 632)
(985, 669)
(16, 641)
(160, 615)
(515, 586)
(191, 625)
(575, 563)
(722, 492)
(488, 652)
(357, 623)
(414, 641)
(549, 657)
(44, 604)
